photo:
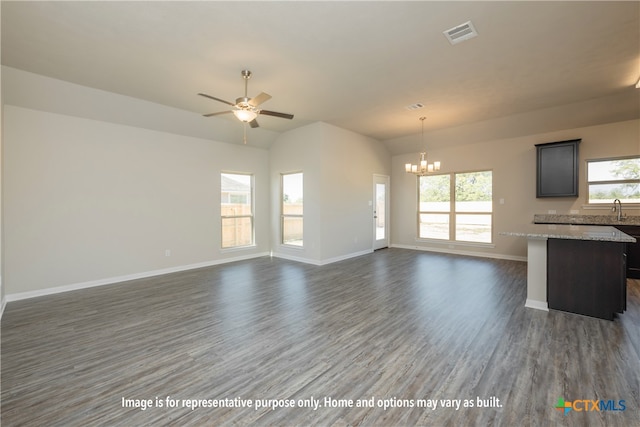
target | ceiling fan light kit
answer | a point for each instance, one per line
(245, 115)
(423, 167)
(246, 109)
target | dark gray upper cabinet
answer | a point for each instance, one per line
(557, 172)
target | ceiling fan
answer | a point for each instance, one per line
(245, 108)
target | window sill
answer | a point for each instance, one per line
(238, 248)
(608, 206)
(295, 247)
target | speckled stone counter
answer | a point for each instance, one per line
(570, 232)
(586, 219)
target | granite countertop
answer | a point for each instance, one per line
(571, 232)
(586, 219)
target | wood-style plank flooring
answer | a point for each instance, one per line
(396, 325)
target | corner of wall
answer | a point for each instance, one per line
(2, 298)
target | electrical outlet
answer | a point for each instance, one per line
(574, 211)
(167, 252)
(551, 211)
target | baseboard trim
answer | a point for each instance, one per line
(345, 257)
(459, 252)
(294, 258)
(537, 305)
(118, 279)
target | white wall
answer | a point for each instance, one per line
(349, 161)
(86, 200)
(338, 167)
(298, 150)
(2, 298)
(513, 162)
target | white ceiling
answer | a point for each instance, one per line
(354, 64)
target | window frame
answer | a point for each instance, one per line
(608, 204)
(434, 212)
(251, 215)
(284, 217)
(452, 212)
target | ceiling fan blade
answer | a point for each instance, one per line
(217, 114)
(276, 114)
(263, 97)
(216, 99)
(254, 123)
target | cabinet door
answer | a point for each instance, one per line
(557, 169)
(586, 277)
(633, 250)
(623, 285)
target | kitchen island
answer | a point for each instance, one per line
(579, 269)
(627, 224)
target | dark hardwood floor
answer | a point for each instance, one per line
(399, 326)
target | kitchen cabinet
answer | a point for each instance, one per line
(587, 277)
(633, 250)
(557, 169)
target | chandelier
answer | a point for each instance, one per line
(424, 167)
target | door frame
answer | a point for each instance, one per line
(386, 180)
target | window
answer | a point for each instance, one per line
(236, 210)
(292, 209)
(610, 179)
(456, 207)
(435, 206)
(473, 207)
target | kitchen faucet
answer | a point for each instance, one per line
(619, 208)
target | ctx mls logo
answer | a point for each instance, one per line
(563, 406)
(585, 405)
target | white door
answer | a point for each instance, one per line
(380, 211)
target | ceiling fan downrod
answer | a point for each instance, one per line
(246, 75)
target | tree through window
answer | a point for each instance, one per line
(611, 179)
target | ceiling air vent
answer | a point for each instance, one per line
(415, 106)
(461, 33)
